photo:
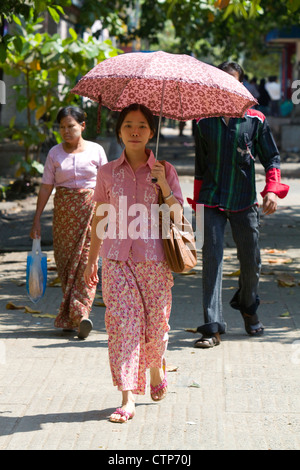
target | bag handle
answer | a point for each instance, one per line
(36, 246)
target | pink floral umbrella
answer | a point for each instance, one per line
(171, 85)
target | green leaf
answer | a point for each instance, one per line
(60, 9)
(40, 7)
(243, 11)
(46, 48)
(3, 53)
(39, 167)
(38, 38)
(228, 11)
(17, 20)
(55, 16)
(293, 5)
(73, 33)
(12, 122)
(18, 43)
(58, 137)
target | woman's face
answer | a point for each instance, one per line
(70, 129)
(135, 131)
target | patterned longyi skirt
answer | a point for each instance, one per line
(73, 213)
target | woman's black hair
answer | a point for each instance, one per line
(232, 66)
(77, 113)
(135, 107)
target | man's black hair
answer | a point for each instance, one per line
(232, 66)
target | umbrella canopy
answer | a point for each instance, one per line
(176, 86)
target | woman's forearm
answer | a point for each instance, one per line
(97, 234)
(43, 197)
(174, 205)
(44, 194)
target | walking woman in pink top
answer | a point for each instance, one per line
(136, 280)
(71, 167)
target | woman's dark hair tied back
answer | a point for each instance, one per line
(77, 113)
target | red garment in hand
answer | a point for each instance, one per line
(273, 184)
(197, 189)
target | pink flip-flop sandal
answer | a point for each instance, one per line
(161, 386)
(121, 412)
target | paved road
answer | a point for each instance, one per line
(56, 391)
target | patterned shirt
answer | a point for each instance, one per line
(225, 157)
(132, 200)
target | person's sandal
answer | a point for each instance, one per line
(163, 385)
(85, 327)
(123, 413)
(253, 325)
(206, 342)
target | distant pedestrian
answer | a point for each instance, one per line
(264, 97)
(253, 88)
(71, 168)
(246, 81)
(274, 90)
(225, 184)
(182, 125)
(136, 279)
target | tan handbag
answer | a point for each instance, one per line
(179, 244)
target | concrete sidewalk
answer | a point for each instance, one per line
(56, 391)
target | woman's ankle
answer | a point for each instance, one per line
(128, 398)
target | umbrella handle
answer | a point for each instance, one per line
(99, 114)
(154, 180)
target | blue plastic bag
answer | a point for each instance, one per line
(36, 272)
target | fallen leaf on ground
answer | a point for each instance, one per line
(194, 384)
(286, 280)
(267, 273)
(171, 368)
(285, 314)
(279, 260)
(34, 313)
(44, 315)
(191, 330)
(235, 273)
(11, 306)
(55, 282)
(274, 250)
(30, 310)
(98, 303)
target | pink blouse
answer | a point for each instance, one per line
(74, 170)
(132, 200)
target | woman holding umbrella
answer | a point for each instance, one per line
(136, 280)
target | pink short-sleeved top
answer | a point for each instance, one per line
(132, 201)
(74, 170)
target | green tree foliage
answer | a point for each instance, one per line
(46, 67)
(233, 28)
(236, 27)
